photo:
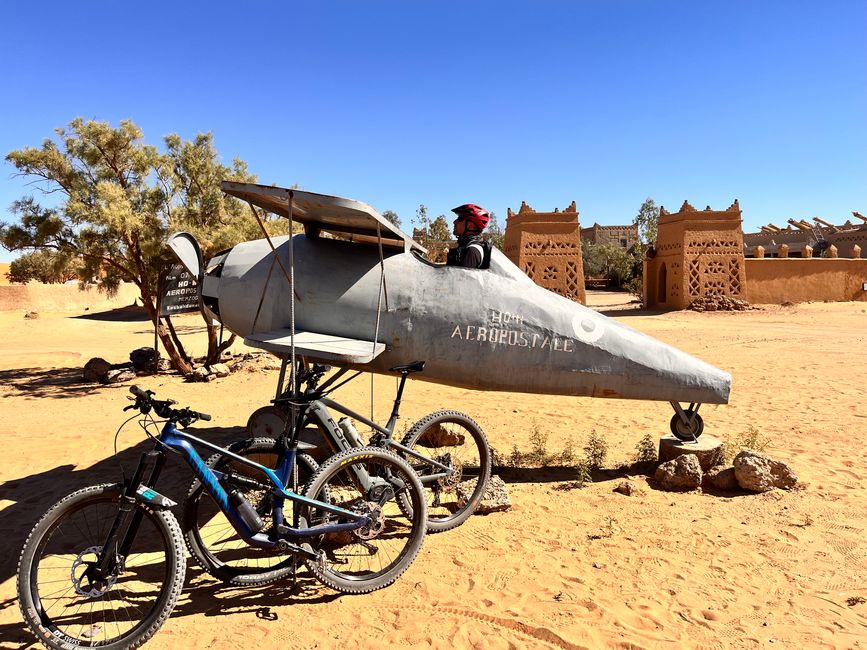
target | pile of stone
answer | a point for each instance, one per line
(689, 465)
(719, 303)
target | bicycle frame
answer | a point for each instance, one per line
(126, 524)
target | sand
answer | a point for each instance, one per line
(566, 567)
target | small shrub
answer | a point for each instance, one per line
(583, 473)
(751, 439)
(568, 453)
(645, 450)
(538, 446)
(595, 450)
(607, 530)
(516, 458)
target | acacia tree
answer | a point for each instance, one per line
(46, 266)
(119, 199)
(217, 220)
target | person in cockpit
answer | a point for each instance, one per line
(471, 251)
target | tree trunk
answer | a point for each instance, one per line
(175, 358)
(176, 339)
(215, 349)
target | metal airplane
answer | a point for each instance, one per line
(366, 297)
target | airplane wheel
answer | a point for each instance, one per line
(266, 422)
(687, 432)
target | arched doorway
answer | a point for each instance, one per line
(662, 285)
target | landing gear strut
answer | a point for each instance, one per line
(686, 424)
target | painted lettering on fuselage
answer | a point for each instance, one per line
(506, 329)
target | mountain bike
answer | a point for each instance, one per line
(105, 565)
(447, 449)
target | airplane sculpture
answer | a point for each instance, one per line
(361, 294)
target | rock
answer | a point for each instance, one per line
(143, 358)
(200, 374)
(721, 477)
(709, 451)
(96, 370)
(220, 369)
(118, 375)
(439, 436)
(31, 315)
(164, 365)
(684, 472)
(495, 499)
(627, 487)
(759, 473)
(719, 303)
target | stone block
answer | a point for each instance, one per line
(709, 451)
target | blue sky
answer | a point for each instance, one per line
(443, 103)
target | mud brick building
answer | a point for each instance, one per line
(698, 254)
(623, 236)
(547, 247)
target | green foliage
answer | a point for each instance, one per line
(47, 266)
(435, 235)
(121, 198)
(608, 261)
(751, 439)
(647, 221)
(567, 455)
(538, 446)
(583, 473)
(494, 233)
(595, 450)
(392, 217)
(645, 450)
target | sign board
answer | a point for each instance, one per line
(179, 293)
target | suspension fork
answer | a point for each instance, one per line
(126, 523)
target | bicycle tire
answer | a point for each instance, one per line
(339, 553)
(211, 539)
(55, 630)
(445, 516)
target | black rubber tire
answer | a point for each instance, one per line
(157, 526)
(684, 432)
(478, 447)
(335, 483)
(232, 560)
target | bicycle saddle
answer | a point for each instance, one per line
(415, 366)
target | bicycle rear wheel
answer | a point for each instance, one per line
(456, 440)
(211, 538)
(66, 605)
(365, 559)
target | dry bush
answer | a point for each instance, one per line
(595, 450)
(752, 439)
(645, 450)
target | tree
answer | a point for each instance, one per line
(47, 266)
(494, 233)
(647, 221)
(607, 261)
(217, 220)
(391, 217)
(120, 198)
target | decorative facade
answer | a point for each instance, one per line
(623, 236)
(698, 254)
(849, 239)
(547, 247)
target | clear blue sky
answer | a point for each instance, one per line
(442, 103)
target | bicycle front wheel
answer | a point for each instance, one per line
(67, 604)
(367, 481)
(453, 439)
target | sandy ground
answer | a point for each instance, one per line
(566, 567)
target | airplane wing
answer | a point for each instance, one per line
(316, 347)
(350, 219)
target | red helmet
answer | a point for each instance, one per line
(475, 214)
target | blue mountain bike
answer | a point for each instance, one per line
(105, 565)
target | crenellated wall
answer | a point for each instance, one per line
(775, 281)
(547, 247)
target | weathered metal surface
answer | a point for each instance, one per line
(491, 329)
(333, 214)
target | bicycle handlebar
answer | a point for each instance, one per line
(144, 402)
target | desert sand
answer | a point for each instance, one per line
(565, 568)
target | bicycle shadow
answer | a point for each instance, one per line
(203, 595)
(33, 495)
